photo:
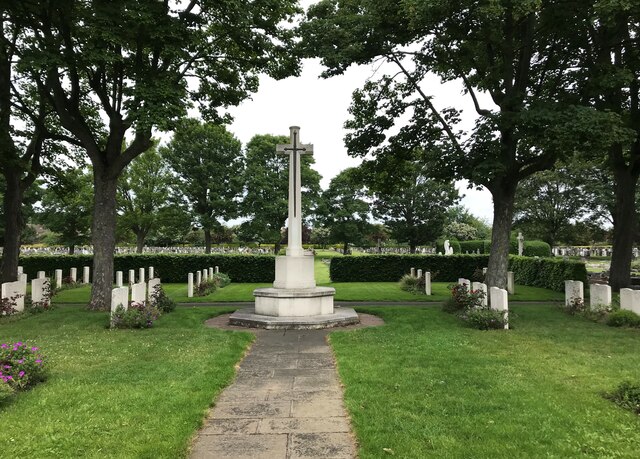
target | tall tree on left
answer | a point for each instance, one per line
(141, 64)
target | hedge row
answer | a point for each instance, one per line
(169, 267)
(531, 248)
(538, 272)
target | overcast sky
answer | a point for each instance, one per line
(319, 106)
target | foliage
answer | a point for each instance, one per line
(459, 214)
(205, 288)
(623, 318)
(343, 210)
(474, 245)
(485, 318)
(410, 283)
(137, 315)
(575, 306)
(462, 299)
(6, 390)
(221, 279)
(159, 299)
(627, 396)
(7, 306)
(174, 267)
(266, 180)
(212, 183)
(21, 366)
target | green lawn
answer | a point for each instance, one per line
(345, 291)
(438, 389)
(121, 393)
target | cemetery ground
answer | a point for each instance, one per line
(434, 389)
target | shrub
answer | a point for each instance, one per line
(6, 390)
(221, 280)
(160, 300)
(138, 315)
(40, 306)
(7, 306)
(546, 272)
(573, 307)
(623, 318)
(21, 366)
(174, 267)
(205, 288)
(409, 283)
(627, 396)
(484, 318)
(462, 299)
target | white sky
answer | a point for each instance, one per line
(319, 106)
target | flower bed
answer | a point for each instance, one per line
(21, 367)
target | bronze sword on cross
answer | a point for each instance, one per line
(295, 150)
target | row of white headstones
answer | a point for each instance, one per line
(200, 277)
(496, 298)
(600, 296)
(141, 292)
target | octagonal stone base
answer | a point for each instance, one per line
(249, 318)
(294, 302)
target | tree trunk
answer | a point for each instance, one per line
(345, 248)
(104, 240)
(503, 198)
(624, 227)
(72, 249)
(276, 248)
(412, 247)
(13, 226)
(140, 237)
(207, 240)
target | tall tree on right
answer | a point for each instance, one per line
(512, 51)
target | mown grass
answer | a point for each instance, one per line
(438, 389)
(120, 393)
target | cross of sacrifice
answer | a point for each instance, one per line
(294, 150)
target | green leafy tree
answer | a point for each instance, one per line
(515, 52)
(343, 210)
(66, 207)
(140, 64)
(463, 225)
(144, 195)
(410, 203)
(266, 180)
(208, 162)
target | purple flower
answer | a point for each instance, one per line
(7, 367)
(34, 349)
(19, 343)
(38, 361)
(21, 361)
(4, 346)
(21, 374)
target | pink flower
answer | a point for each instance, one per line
(34, 349)
(38, 361)
(21, 361)
(4, 346)
(21, 374)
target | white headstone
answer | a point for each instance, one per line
(483, 288)
(73, 274)
(204, 275)
(119, 297)
(413, 272)
(139, 293)
(463, 281)
(217, 270)
(141, 273)
(85, 275)
(58, 273)
(511, 286)
(600, 295)
(15, 291)
(152, 273)
(198, 278)
(210, 273)
(520, 244)
(572, 290)
(132, 276)
(20, 270)
(119, 281)
(151, 286)
(427, 283)
(40, 290)
(484, 271)
(41, 274)
(419, 274)
(500, 302)
(190, 285)
(630, 300)
(23, 278)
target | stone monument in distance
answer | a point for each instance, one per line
(294, 301)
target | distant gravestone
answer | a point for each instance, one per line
(412, 272)
(479, 286)
(427, 283)
(573, 290)
(119, 281)
(210, 273)
(419, 274)
(152, 273)
(85, 275)
(190, 285)
(73, 274)
(58, 274)
(15, 292)
(132, 277)
(599, 295)
(23, 278)
(20, 270)
(499, 300)
(41, 274)
(40, 290)
(204, 275)
(141, 273)
(119, 297)
(198, 278)
(152, 284)
(217, 269)
(630, 300)
(139, 293)
(511, 286)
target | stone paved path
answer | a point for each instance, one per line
(286, 402)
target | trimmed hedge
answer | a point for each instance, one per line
(537, 272)
(472, 246)
(172, 268)
(531, 248)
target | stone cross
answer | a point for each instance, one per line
(294, 150)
